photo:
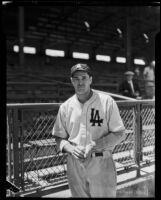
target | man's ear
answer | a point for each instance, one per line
(71, 80)
(91, 79)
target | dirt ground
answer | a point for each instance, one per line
(143, 189)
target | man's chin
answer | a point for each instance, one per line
(81, 91)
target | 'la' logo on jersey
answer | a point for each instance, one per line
(95, 118)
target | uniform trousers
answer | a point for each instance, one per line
(94, 177)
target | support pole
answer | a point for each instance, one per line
(128, 43)
(15, 136)
(93, 53)
(21, 35)
(138, 152)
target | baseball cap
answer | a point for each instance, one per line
(80, 67)
(129, 73)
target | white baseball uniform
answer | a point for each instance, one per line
(80, 124)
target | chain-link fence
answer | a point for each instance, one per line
(33, 158)
(148, 132)
(124, 153)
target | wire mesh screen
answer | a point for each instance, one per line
(148, 132)
(9, 147)
(123, 153)
(42, 163)
(38, 162)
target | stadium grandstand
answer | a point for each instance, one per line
(42, 44)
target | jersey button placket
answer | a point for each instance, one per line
(83, 128)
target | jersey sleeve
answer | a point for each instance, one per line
(59, 128)
(115, 122)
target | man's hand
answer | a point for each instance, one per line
(79, 152)
(76, 151)
(136, 94)
(88, 149)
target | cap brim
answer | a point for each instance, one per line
(79, 70)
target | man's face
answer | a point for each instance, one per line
(152, 64)
(129, 77)
(81, 82)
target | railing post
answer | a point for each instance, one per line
(21, 147)
(15, 147)
(8, 149)
(138, 152)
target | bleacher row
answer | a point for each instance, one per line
(49, 81)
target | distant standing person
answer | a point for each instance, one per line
(149, 77)
(137, 74)
(130, 87)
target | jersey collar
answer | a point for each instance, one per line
(89, 101)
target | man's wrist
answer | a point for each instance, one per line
(68, 148)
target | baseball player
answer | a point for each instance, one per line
(88, 126)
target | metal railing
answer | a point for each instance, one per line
(33, 159)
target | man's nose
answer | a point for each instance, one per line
(80, 82)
